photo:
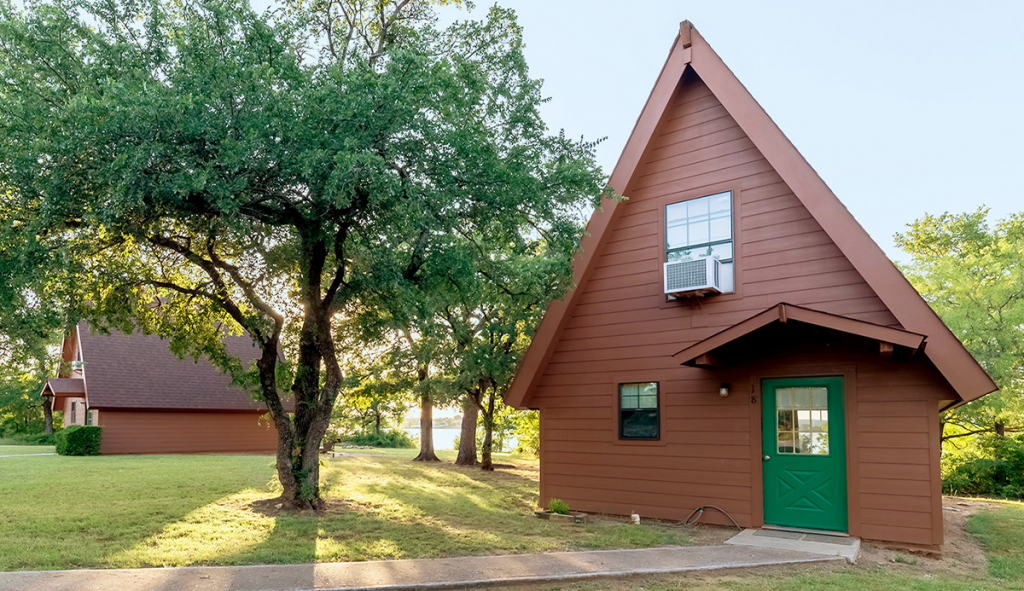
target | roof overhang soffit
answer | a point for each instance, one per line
(703, 353)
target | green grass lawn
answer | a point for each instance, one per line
(20, 450)
(123, 511)
(132, 511)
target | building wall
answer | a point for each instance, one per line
(623, 330)
(79, 414)
(151, 432)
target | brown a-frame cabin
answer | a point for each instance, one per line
(736, 339)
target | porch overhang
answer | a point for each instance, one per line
(704, 353)
(63, 388)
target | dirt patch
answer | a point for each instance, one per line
(962, 554)
(277, 505)
(712, 535)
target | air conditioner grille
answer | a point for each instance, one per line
(686, 275)
(694, 277)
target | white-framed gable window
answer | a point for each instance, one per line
(701, 227)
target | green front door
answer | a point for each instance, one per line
(804, 451)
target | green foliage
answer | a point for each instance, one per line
(31, 438)
(187, 168)
(376, 398)
(558, 506)
(79, 440)
(393, 439)
(971, 272)
(21, 407)
(995, 467)
(527, 432)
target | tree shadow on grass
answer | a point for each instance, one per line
(380, 510)
(91, 512)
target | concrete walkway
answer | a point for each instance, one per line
(393, 575)
(26, 455)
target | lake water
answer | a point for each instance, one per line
(445, 438)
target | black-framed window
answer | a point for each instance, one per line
(700, 227)
(639, 416)
(73, 409)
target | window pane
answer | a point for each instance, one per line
(803, 420)
(784, 398)
(819, 421)
(680, 255)
(786, 443)
(697, 209)
(675, 213)
(722, 252)
(639, 424)
(675, 237)
(629, 389)
(721, 202)
(803, 443)
(649, 395)
(819, 444)
(698, 232)
(721, 229)
(819, 398)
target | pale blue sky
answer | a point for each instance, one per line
(904, 108)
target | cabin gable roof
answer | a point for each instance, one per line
(691, 51)
(139, 372)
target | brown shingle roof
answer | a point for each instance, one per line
(64, 387)
(139, 371)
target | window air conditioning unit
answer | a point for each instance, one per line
(694, 277)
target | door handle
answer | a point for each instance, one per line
(766, 458)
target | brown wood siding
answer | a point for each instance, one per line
(158, 432)
(621, 329)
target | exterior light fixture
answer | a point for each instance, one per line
(723, 391)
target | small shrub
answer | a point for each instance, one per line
(558, 506)
(79, 441)
(395, 438)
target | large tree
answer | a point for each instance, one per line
(490, 322)
(972, 274)
(195, 167)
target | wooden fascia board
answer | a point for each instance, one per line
(903, 338)
(557, 314)
(946, 352)
(786, 313)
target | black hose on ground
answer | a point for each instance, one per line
(699, 511)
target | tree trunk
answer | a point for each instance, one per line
(467, 437)
(47, 415)
(300, 436)
(1000, 429)
(485, 453)
(378, 423)
(426, 424)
